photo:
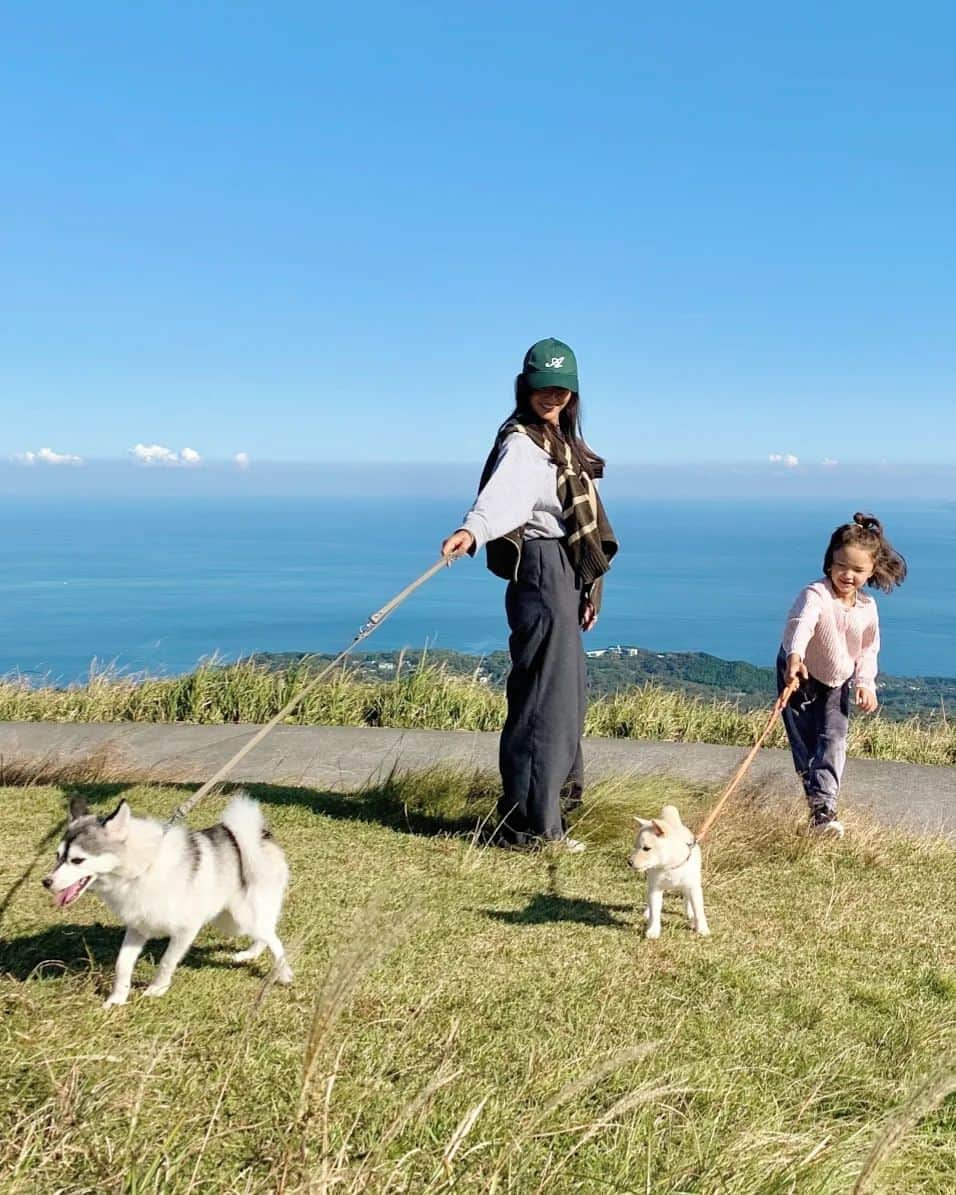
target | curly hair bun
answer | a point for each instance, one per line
(868, 522)
(889, 567)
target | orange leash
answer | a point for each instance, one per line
(775, 713)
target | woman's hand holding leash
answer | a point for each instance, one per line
(866, 700)
(458, 543)
(587, 615)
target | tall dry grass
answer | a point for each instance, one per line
(429, 698)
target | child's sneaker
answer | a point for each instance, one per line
(573, 846)
(824, 825)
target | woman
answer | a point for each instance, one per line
(542, 523)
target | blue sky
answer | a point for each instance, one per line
(327, 236)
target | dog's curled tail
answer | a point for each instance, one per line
(243, 816)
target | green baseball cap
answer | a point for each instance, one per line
(550, 363)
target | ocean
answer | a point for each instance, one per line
(156, 585)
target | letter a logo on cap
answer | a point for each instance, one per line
(550, 363)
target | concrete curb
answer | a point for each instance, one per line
(346, 758)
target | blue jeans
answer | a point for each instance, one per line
(817, 718)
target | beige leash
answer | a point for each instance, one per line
(775, 713)
(374, 622)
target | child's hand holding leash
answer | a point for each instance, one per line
(796, 669)
(784, 696)
(866, 700)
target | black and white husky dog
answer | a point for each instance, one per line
(165, 880)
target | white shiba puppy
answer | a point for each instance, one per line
(666, 851)
(165, 880)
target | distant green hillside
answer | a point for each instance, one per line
(611, 669)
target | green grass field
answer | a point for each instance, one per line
(468, 1019)
(429, 697)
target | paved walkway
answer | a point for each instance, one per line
(343, 759)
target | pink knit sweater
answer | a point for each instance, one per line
(835, 641)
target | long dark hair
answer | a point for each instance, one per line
(569, 422)
(866, 532)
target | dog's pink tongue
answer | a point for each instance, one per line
(71, 893)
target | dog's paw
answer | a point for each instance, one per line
(114, 1000)
(246, 956)
(652, 931)
(284, 974)
(702, 931)
(156, 989)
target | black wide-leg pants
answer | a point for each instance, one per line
(540, 750)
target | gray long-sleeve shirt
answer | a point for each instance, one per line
(522, 490)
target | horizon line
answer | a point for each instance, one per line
(764, 465)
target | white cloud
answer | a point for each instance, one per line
(46, 456)
(242, 460)
(829, 463)
(59, 458)
(787, 459)
(158, 454)
(154, 454)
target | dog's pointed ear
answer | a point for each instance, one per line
(670, 813)
(78, 807)
(642, 822)
(116, 824)
(658, 827)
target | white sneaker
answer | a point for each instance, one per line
(573, 846)
(826, 827)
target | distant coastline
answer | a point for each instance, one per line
(620, 666)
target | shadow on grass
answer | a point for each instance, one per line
(428, 804)
(437, 802)
(424, 805)
(551, 907)
(64, 947)
(546, 907)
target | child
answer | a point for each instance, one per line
(832, 636)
